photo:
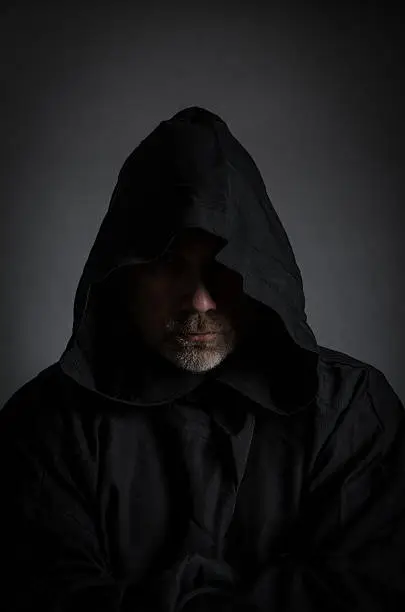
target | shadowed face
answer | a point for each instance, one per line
(186, 292)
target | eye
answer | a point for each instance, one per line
(172, 262)
(169, 257)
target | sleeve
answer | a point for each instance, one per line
(50, 551)
(196, 584)
(349, 552)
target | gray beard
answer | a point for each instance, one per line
(196, 358)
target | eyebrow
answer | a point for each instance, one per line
(179, 253)
(209, 259)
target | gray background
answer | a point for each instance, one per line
(314, 94)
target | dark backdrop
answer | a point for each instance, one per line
(315, 95)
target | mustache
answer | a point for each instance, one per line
(200, 325)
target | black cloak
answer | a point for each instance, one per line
(274, 482)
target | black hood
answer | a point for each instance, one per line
(192, 172)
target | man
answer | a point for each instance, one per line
(194, 448)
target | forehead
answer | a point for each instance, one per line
(196, 240)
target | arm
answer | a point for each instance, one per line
(50, 552)
(350, 543)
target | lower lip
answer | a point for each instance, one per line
(200, 337)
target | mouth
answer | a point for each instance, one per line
(200, 337)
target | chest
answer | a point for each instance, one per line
(182, 484)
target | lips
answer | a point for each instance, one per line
(200, 337)
(199, 333)
(196, 334)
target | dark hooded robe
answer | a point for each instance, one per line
(274, 482)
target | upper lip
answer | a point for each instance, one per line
(200, 333)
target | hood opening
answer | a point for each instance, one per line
(192, 172)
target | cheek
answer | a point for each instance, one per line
(232, 300)
(229, 290)
(153, 305)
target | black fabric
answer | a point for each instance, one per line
(275, 481)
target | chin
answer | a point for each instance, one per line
(196, 359)
(196, 365)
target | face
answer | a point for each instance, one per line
(187, 306)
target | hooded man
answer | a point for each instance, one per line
(194, 448)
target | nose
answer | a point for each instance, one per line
(202, 300)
